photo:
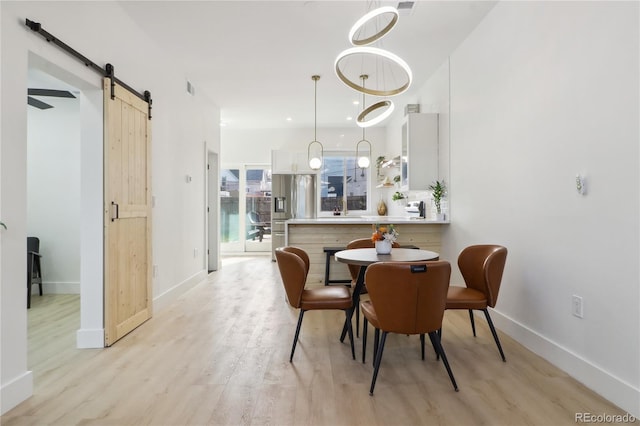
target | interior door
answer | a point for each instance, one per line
(127, 213)
(213, 223)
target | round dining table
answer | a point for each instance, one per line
(364, 257)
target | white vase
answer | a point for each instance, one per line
(383, 247)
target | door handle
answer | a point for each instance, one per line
(115, 211)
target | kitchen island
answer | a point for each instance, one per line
(313, 235)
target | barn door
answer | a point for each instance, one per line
(127, 213)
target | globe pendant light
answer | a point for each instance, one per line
(365, 160)
(315, 150)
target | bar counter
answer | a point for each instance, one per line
(313, 235)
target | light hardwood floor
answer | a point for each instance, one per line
(220, 355)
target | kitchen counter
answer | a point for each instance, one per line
(313, 235)
(337, 220)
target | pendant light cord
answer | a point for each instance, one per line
(364, 77)
(315, 78)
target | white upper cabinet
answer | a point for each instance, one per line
(290, 162)
(419, 158)
(282, 162)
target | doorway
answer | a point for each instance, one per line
(53, 213)
(87, 215)
(245, 209)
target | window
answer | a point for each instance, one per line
(342, 179)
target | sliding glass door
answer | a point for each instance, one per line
(245, 209)
(258, 209)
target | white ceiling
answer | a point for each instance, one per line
(255, 59)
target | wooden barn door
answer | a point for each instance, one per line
(127, 213)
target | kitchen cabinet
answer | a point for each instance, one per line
(290, 162)
(419, 158)
(282, 162)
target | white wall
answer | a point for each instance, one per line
(53, 191)
(541, 91)
(181, 126)
(255, 145)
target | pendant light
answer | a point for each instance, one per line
(365, 160)
(315, 150)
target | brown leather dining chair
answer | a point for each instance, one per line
(481, 267)
(406, 298)
(293, 263)
(355, 269)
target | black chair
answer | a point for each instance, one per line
(258, 227)
(34, 270)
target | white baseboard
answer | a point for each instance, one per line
(169, 296)
(16, 391)
(612, 388)
(90, 338)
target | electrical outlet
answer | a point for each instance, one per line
(576, 306)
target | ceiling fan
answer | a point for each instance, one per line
(45, 92)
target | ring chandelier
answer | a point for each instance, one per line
(373, 57)
(386, 103)
(377, 54)
(374, 14)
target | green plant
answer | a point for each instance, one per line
(379, 161)
(3, 225)
(438, 191)
(396, 178)
(397, 196)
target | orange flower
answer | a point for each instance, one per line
(382, 232)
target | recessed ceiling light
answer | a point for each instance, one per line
(289, 118)
(349, 118)
(223, 124)
(356, 103)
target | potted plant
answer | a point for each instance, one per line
(438, 191)
(397, 196)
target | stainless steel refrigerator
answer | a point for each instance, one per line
(293, 197)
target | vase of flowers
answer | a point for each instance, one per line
(384, 236)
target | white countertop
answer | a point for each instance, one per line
(342, 220)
